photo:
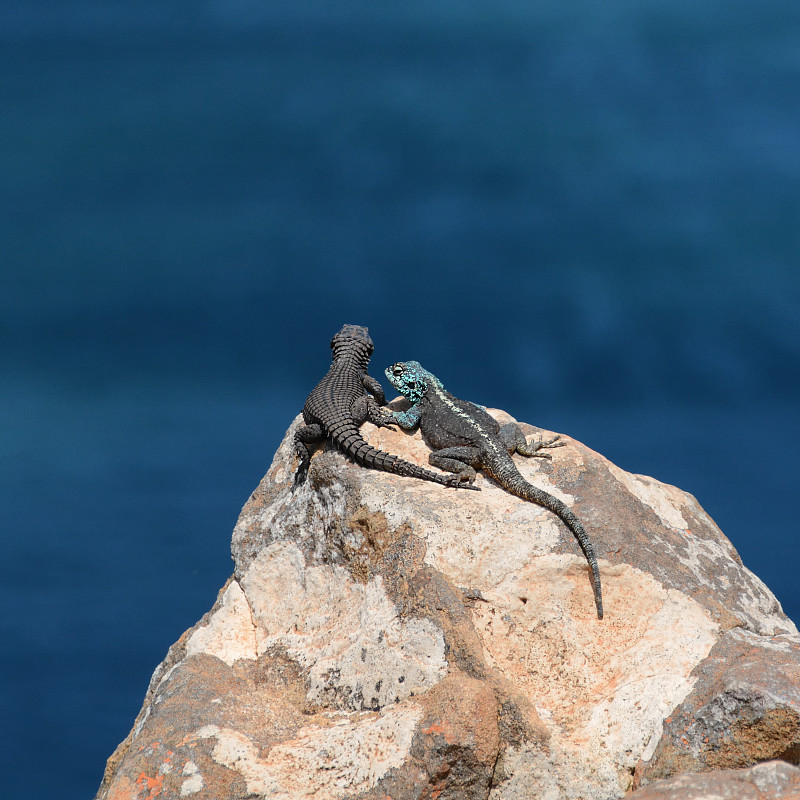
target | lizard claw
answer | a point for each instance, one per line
(535, 446)
(464, 481)
(384, 421)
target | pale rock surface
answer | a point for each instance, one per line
(772, 780)
(384, 637)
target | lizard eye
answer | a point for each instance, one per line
(397, 370)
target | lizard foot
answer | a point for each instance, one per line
(386, 425)
(459, 484)
(534, 446)
(300, 476)
(381, 420)
(464, 480)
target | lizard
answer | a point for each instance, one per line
(345, 398)
(464, 436)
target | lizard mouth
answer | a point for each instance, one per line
(395, 374)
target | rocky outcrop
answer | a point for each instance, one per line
(383, 637)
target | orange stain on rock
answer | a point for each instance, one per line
(442, 728)
(433, 728)
(153, 786)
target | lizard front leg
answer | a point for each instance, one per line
(366, 408)
(460, 460)
(408, 419)
(374, 388)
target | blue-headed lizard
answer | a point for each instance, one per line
(465, 437)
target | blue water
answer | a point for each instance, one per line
(585, 215)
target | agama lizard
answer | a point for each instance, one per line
(465, 437)
(345, 398)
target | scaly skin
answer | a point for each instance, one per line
(344, 399)
(465, 437)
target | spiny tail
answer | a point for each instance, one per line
(516, 484)
(350, 441)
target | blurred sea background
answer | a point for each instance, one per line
(586, 214)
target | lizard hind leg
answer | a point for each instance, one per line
(515, 441)
(459, 460)
(304, 436)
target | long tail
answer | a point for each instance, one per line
(511, 479)
(349, 440)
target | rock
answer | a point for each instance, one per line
(775, 780)
(744, 708)
(384, 637)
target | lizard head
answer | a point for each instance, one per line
(409, 378)
(352, 336)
